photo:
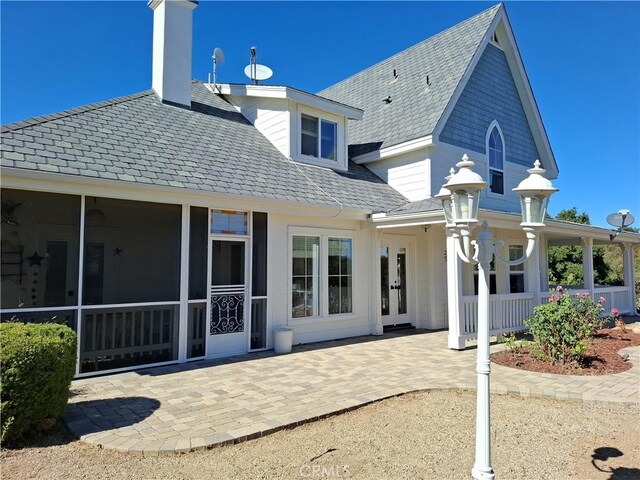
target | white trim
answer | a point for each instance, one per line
(183, 317)
(38, 309)
(128, 369)
(21, 179)
(393, 150)
(129, 305)
(288, 93)
(487, 137)
(323, 274)
(83, 206)
(340, 162)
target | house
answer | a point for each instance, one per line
(190, 220)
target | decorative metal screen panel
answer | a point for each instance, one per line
(227, 310)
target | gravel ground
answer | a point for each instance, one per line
(427, 435)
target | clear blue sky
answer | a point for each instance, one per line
(582, 58)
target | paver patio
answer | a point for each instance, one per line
(186, 407)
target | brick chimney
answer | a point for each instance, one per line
(172, 43)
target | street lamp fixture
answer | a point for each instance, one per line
(460, 201)
(444, 195)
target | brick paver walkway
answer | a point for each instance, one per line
(186, 407)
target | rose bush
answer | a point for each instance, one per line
(562, 327)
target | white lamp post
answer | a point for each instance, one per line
(460, 201)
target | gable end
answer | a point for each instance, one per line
(491, 94)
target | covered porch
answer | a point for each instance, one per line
(516, 290)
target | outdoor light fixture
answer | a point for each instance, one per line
(465, 187)
(444, 195)
(534, 192)
(460, 201)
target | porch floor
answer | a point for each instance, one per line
(186, 407)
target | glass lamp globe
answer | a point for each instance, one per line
(465, 187)
(444, 195)
(534, 192)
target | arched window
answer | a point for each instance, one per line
(495, 156)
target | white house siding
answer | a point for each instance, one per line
(269, 116)
(429, 281)
(437, 276)
(408, 173)
(444, 156)
(329, 327)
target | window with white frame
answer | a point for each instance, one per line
(340, 274)
(516, 272)
(495, 156)
(305, 280)
(321, 275)
(318, 137)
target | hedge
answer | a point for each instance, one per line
(38, 363)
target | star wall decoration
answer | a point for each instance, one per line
(35, 259)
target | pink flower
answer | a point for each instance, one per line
(602, 300)
(559, 288)
(615, 311)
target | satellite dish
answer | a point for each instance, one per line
(620, 220)
(218, 59)
(257, 72)
(218, 56)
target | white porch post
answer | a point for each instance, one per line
(454, 295)
(587, 264)
(184, 285)
(629, 275)
(374, 283)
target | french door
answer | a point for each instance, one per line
(395, 281)
(228, 306)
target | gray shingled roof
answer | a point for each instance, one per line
(211, 148)
(426, 205)
(415, 108)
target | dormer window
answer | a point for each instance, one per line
(495, 157)
(318, 137)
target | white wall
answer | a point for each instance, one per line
(270, 116)
(408, 173)
(313, 330)
(443, 157)
(430, 287)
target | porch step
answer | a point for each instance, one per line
(399, 326)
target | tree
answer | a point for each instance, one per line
(565, 262)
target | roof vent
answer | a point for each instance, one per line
(387, 100)
(395, 77)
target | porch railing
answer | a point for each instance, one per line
(122, 336)
(509, 311)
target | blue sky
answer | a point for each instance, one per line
(582, 58)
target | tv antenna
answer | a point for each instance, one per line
(620, 220)
(255, 71)
(218, 59)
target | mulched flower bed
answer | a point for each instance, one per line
(602, 357)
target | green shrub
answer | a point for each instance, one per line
(562, 327)
(38, 363)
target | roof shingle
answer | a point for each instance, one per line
(211, 147)
(415, 106)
